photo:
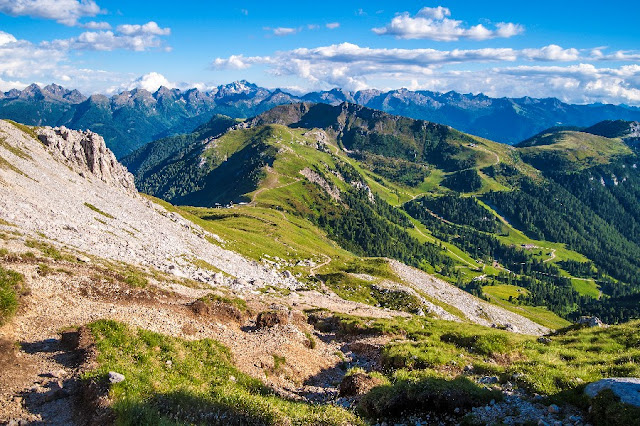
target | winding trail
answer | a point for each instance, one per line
(261, 190)
(553, 255)
(313, 269)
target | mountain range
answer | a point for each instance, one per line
(132, 118)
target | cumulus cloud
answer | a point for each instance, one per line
(372, 59)
(579, 83)
(332, 25)
(433, 23)
(353, 67)
(127, 37)
(93, 25)
(151, 82)
(6, 38)
(66, 12)
(150, 28)
(22, 63)
(552, 53)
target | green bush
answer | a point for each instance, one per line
(10, 286)
(418, 392)
(607, 410)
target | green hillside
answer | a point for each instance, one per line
(571, 150)
(483, 215)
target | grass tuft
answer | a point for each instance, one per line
(10, 288)
(97, 210)
(199, 386)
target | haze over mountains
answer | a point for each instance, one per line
(130, 119)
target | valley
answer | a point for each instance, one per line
(268, 262)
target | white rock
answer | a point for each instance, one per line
(115, 377)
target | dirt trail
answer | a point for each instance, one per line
(261, 190)
(551, 257)
(38, 381)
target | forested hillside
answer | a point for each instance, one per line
(556, 217)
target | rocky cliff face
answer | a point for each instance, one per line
(67, 188)
(86, 152)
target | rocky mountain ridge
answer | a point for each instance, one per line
(130, 119)
(87, 152)
(71, 190)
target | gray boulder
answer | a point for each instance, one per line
(115, 377)
(625, 388)
(591, 322)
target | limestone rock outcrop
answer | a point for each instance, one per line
(88, 154)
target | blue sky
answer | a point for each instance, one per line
(578, 51)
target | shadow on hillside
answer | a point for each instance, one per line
(183, 408)
(240, 174)
(54, 393)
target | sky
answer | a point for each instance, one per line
(578, 51)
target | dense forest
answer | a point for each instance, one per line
(545, 285)
(549, 211)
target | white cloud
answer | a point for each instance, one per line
(150, 28)
(238, 62)
(552, 53)
(128, 37)
(22, 63)
(66, 12)
(332, 25)
(284, 31)
(6, 38)
(8, 85)
(151, 82)
(93, 25)
(433, 23)
(353, 67)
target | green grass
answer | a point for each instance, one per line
(419, 391)
(5, 223)
(10, 287)
(49, 251)
(97, 210)
(538, 314)
(4, 164)
(574, 356)
(570, 150)
(355, 289)
(14, 149)
(200, 386)
(135, 278)
(241, 304)
(29, 130)
(586, 287)
(505, 291)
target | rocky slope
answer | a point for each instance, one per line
(67, 187)
(73, 227)
(88, 201)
